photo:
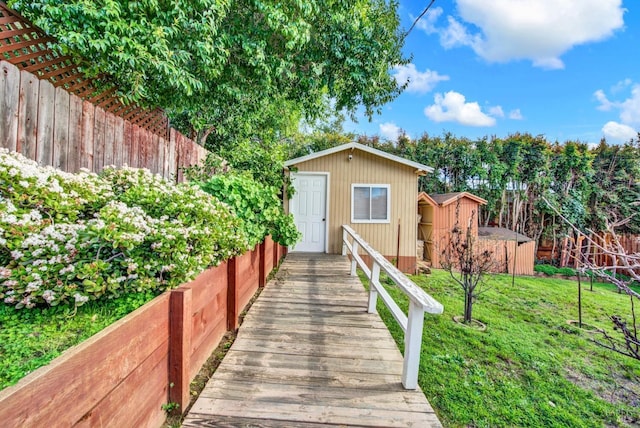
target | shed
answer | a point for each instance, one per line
(437, 214)
(511, 250)
(368, 189)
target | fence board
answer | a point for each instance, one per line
(99, 139)
(60, 128)
(86, 144)
(118, 142)
(28, 115)
(162, 146)
(134, 154)
(9, 104)
(172, 164)
(154, 162)
(109, 138)
(110, 357)
(126, 142)
(75, 134)
(46, 123)
(138, 400)
(44, 139)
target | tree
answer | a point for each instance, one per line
(224, 69)
(465, 262)
(627, 341)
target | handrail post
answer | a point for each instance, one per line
(344, 241)
(354, 253)
(412, 345)
(373, 294)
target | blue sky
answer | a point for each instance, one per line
(567, 69)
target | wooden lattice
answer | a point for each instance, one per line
(28, 47)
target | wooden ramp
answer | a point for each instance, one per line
(309, 355)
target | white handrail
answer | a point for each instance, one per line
(419, 301)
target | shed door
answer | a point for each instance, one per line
(308, 207)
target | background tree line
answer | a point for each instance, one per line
(588, 185)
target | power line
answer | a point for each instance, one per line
(418, 18)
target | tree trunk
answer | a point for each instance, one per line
(468, 306)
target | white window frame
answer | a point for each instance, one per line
(380, 221)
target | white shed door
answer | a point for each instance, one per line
(308, 207)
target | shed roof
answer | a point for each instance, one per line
(501, 234)
(357, 146)
(444, 199)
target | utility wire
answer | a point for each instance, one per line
(418, 18)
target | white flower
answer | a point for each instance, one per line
(48, 296)
(15, 255)
(67, 269)
(79, 298)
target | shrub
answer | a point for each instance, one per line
(70, 238)
(566, 271)
(548, 270)
(257, 204)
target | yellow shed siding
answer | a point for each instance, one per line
(366, 168)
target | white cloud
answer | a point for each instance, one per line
(427, 22)
(618, 132)
(605, 104)
(629, 108)
(452, 107)
(496, 111)
(456, 34)
(515, 114)
(390, 131)
(419, 82)
(621, 85)
(629, 124)
(537, 30)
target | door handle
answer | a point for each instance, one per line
(323, 219)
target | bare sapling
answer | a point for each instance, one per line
(466, 262)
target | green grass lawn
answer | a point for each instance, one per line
(31, 338)
(529, 368)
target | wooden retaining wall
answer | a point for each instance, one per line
(123, 375)
(53, 127)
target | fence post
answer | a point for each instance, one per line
(373, 293)
(354, 253)
(180, 330)
(232, 313)
(412, 345)
(262, 263)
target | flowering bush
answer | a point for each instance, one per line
(70, 238)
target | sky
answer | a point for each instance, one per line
(565, 69)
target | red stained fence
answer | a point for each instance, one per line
(123, 375)
(51, 126)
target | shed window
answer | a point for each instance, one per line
(370, 203)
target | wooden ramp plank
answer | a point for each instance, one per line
(309, 355)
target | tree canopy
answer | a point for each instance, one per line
(586, 184)
(231, 68)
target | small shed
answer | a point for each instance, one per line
(511, 250)
(368, 189)
(437, 216)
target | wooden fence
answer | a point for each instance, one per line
(509, 255)
(28, 47)
(124, 374)
(569, 251)
(53, 127)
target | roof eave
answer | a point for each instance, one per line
(420, 168)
